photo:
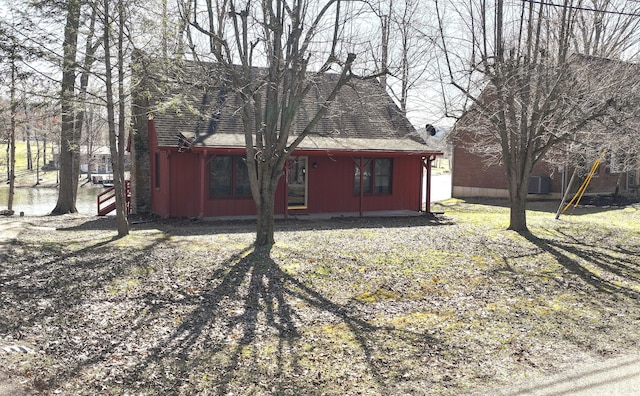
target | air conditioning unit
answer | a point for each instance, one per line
(539, 185)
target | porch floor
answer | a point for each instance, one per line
(328, 216)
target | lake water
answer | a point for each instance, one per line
(38, 201)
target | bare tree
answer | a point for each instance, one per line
(27, 114)
(117, 131)
(13, 54)
(382, 11)
(91, 46)
(528, 93)
(288, 40)
(12, 131)
(407, 47)
(72, 95)
(413, 50)
(70, 132)
(5, 120)
(93, 138)
(609, 30)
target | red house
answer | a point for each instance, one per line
(364, 156)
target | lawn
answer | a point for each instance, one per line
(376, 306)
(27, 177)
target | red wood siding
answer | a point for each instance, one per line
(185, 185)
(330, 188)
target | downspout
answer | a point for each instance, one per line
(286, 190)
(151, 200)
(360, 167)
(420, 185)
(428, 197)
(203, 157)
(167, 190)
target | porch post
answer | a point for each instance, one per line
(426, 161)
(361, 166)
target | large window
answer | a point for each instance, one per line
(376, 176)
(229, 177)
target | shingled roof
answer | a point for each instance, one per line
(363, 116)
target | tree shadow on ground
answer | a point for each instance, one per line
(550, 205)
(47, 289)
(251, 328)
(213, 227)
(64, 305)
(185, 226)
(93, 223)
(595, 266)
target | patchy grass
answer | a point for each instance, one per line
(28, 177)
(350, 306)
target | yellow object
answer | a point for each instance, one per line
(586, 182)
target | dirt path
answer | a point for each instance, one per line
(617, 376)
(10, 228)
(9, 386)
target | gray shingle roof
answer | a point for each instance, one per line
(363, 117)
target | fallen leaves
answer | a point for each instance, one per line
(362, 306)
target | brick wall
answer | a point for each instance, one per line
(471, 177)
(468, 169)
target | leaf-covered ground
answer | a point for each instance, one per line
(375, 306)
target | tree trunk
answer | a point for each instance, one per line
(518, 199)
(116, 147)
(37, 161)
(68, 137)
(89, 58)
(616, 192)
(265, 208)
(384, 58)
(29, 154)
(265, 227)
(122, 220)
(12, 144)
(11, 165)
(8, 150)
(517, 215)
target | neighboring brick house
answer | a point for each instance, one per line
(472, 177)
